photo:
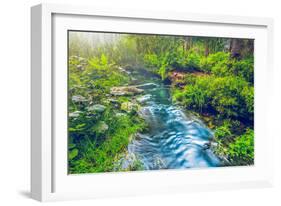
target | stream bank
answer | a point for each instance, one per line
(175, 138)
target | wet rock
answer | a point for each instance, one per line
(78, 98)
(79, 67)
(97, 108)
(126, 90)
(146, 86)
(206, 146)
(159, 163)
(124, 70)
(144, 98)
(78, 58)
(128, 161)
(134, 79)
(214, 144)
(144, 112)
(75, 114)
(119, 114)
(81, 59)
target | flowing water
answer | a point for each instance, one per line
(175, 139)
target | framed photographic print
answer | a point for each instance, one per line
(135, 102)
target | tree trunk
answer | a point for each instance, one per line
(207, 49)
(236, 46)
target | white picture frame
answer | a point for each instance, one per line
(49, 178)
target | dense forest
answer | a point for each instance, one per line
(208, 79)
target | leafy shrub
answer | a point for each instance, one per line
(159, 62)
(244, 68)
(93, 78)
(96, 137)
(241, 151)
(100, 63)
(163, 71)
(99, 156)
(175, 59)
(223, 131)
(215, 62)
(151, 60)
(220, 64)
(178, 95)
(228, 96)
(222, 135)
(248, 95)
(192, 60)
(195, 97)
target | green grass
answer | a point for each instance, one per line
(102, 158)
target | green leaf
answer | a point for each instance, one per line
(71, 145)
(73, 153)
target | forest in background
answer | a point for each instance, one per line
(212, 77)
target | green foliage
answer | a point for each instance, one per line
(217, 58)
(227, 96)
(163, 71)
(136, 166)
(241, 151)
(92, 78)
(178, 95)
(97, 145)
(73, 153)
(96, 137)
(220, 64)
(213, 83)
(244, 68)
(248, 95)
(195, 97)
(238, 148)
(159, 63)
(99, 63)
(192, 60)
(151, 60)
(99, 156)
(223, 131)
(223, 136)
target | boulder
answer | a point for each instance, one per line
(78, 98)
(119, 114)
(126, 90)
(75, 114)
(144, 98)
(146, 86)
(79, 67)
(82, 59)
(128, 161)
(124, 70)
(159, 163)
(97, 108)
